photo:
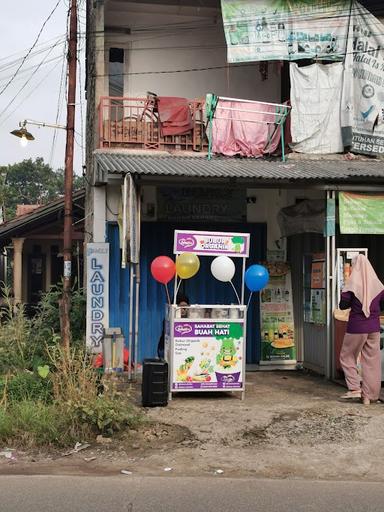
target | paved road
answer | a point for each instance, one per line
(169, 494)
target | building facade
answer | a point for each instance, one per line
(146, 177)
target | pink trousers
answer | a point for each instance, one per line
(368, 345)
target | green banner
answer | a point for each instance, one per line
(361, 214)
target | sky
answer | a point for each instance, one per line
(38, 92)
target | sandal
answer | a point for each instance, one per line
(351, 394)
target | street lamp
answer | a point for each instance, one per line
(26, 136)
(23, 134)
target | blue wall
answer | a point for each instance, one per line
(157, 239)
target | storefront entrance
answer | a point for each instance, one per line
(157, 239)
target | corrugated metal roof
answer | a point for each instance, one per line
(241, 168)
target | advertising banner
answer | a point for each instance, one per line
(277, 324)
(235, 245)
(97, 294)
(361, 214)
(208, 355)
(363, 86)
(257, 30)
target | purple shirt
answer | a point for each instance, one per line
(358, 323)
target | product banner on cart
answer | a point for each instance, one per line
(234, 245)
(258, 30)
(278, 335)
(361, 214)
(208, 355)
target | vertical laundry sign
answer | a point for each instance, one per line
(97, 294)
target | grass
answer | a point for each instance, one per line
(48, 396)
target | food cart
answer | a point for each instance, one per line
(205, 344)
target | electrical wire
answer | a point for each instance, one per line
(31, 48)
(27, 82)
(63, 81)
(22, 52)
(12, 64)
(29, 94)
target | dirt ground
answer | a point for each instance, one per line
(290, 425)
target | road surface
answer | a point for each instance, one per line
(168, 494)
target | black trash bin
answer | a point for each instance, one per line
(155, 383)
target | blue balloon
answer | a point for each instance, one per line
(256, 278)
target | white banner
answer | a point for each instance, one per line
(97, 255)
(257, 30)
(362, 109)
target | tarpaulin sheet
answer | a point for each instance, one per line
(315, 115)
(362, 112)
(305, 217)
(260, 30)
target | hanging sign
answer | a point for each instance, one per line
(257, 30)
(362, 115)
(361, 214)
(235, 245)
(97, 294)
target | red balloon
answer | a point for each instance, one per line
(163, 269)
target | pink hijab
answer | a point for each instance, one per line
(364, 283)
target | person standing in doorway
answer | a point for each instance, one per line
(364, 295)
(183, 302)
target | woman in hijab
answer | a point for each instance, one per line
(364, 295)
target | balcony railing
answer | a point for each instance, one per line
(134, 123)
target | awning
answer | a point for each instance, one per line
(247, 169)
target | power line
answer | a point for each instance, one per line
(31, 48)
(21, 52)
(29, 94)
(59, 104)
(28, 80)
(26, 70)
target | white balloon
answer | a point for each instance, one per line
(223, 268)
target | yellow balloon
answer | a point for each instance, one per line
(187, 265)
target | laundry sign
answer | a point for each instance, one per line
(217, 204)
(361, 213)
(258, 30)
(97, 294)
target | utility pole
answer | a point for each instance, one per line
(65, 305)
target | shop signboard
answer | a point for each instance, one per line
(97, 294)
(277, 324)
(261, 30)
(192, 203)
(361, 213)
(208, 354)
(234, 245)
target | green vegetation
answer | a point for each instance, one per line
(47, 395)
(31, 182)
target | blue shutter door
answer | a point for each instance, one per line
(156, 240)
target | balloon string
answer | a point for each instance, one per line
(166, 289)
(238, 298)
(177, 289)
(249, 300)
